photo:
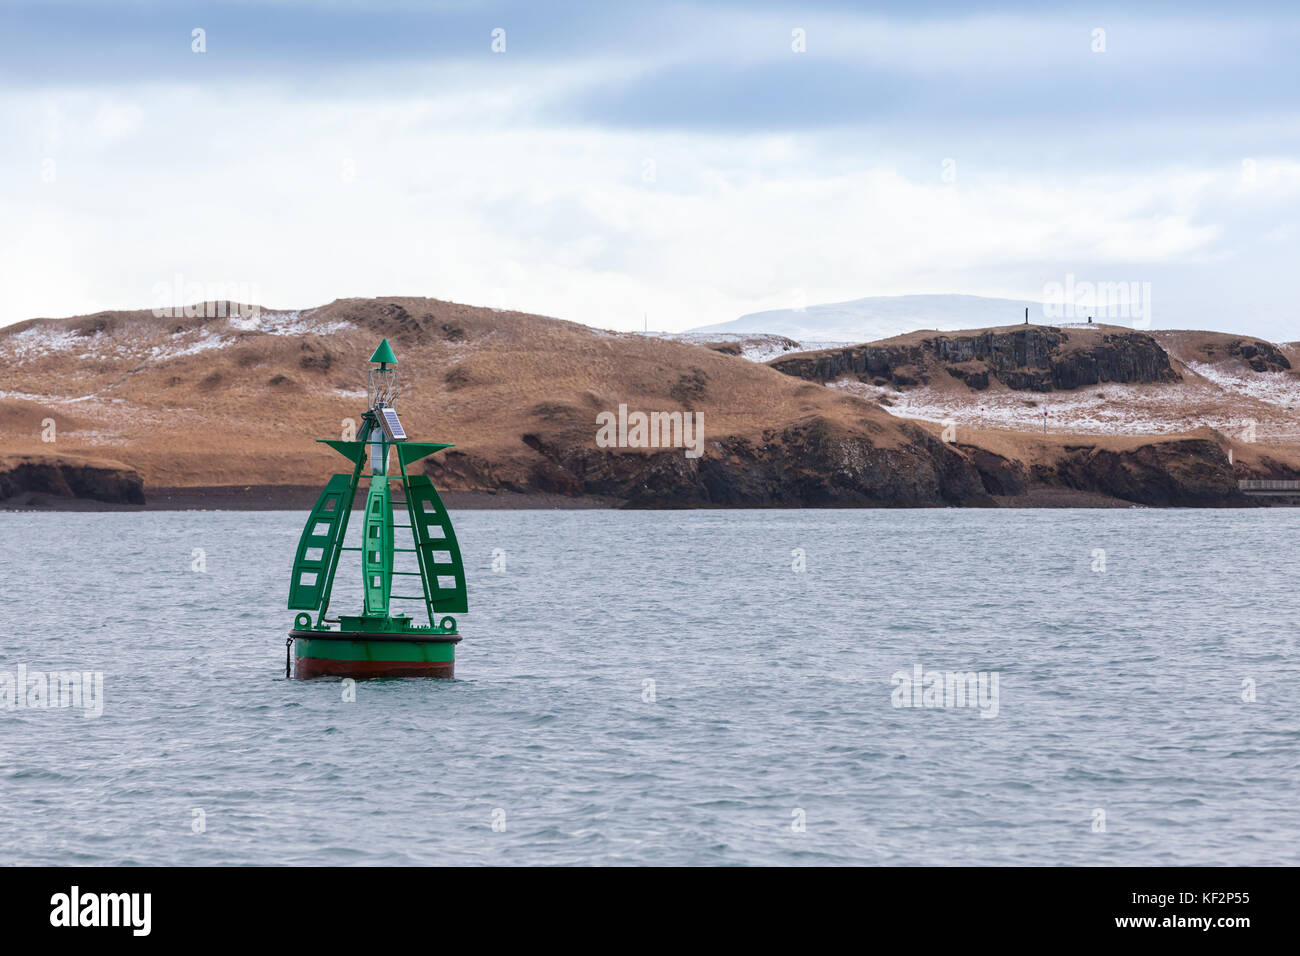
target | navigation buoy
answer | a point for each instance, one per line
(377, 642)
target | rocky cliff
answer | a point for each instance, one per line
(1259, 356)
(813, 463)
(1025, 358)
(818, 463)
(1184, 473)
(26, 479)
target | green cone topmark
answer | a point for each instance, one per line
(378, 642)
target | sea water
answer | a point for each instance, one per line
(698, 687)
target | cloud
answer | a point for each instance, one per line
(681, 161)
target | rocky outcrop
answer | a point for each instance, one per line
(27, 477)
(1034, 358)
(816, 463)
(1260, 356)
(810, 464)
(897, 364)
(1185, 472)
(1000, 476)
(1267, 469)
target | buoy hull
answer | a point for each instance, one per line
(364, 656)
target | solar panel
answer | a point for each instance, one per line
(392, 427)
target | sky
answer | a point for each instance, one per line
(661, 164)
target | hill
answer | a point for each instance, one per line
(1093, 379)
(196, 408)
(228, 400)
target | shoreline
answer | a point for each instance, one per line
(292, 498)
(303, 497)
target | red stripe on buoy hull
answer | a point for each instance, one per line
(307, 667)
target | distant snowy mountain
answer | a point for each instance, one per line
(882, 316)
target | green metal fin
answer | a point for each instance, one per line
(321, 536)
(353, 451)
(439, 552)
(384, 353)
(415, 450)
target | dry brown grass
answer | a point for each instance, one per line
(247, 410)
(250, 408)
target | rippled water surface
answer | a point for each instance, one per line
(1119, 692)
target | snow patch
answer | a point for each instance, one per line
(754, 346)
(30, 344)
(204, 341)
(1272, 388)
(1106, 409)
(299, 322)
(245, 323)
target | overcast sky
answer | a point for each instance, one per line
(681, 161)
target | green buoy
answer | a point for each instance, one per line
(377, 642)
